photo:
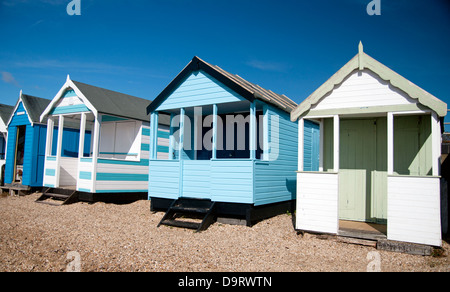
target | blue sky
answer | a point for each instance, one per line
(291, 47)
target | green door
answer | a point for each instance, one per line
(362, 173)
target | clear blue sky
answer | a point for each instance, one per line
(291, 47)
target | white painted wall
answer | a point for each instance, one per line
(68, 171)
(317, 202)
(414, 210)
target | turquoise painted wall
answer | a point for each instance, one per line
(199, 89)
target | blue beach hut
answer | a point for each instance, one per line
(25, 145)
(232, 148)
(5, 113)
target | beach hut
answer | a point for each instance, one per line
(231, 148)
(379, 155)
(5, 113)
(112, 148)
(24, 168)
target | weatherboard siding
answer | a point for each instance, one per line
(199, 89)
(118, 175)
(363, 89)
(196, 179)
(317, 202)
(414, 209)
(232, 180)
(33, 163)
(275, 179)
(164, 179)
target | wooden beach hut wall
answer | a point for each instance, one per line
(24, 168)
(5, 113)
(379, 154)
(231, 144)
(113, 158)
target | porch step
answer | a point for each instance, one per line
(189, 208)
(65, 196)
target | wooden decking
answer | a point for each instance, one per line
(362, 230)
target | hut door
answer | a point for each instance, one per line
(20, 152)
(357, 163)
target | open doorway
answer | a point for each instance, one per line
(363, 175)
(20, 152)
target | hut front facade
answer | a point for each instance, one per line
(230, 142)
(24, 168)
(379, 154)
(5, 113)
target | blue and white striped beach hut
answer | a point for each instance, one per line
(115, 159)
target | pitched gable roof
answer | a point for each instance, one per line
(33, 105)
(5, 112)
(363, 61)
(248, 90)
(105, 101)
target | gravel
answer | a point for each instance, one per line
(112, 237)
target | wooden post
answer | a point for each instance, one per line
(390, 141)
(153, 135)
(171, 138)
(181, 143)
(82, 134)
(265, 134)
(214, 138)
(252, 131)
(95, 149)
(322, 133)
(436, 144)
(58, 150)
(49, 140)
(336, 143)
(301, 143)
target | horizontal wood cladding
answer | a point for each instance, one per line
(199, 89)
(317, 202)
(363, 89)
(414, 209)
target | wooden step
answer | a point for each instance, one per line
(181, 224)
(189, 208)
(64, 195)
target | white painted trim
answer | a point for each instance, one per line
(49, 140)
(95, 150)
(336, 143)
(390, 143)
(436, 144)
(58, 150)
(82, 134)
(15, 109)
(322, 133)
(301, 142)
(68, 84)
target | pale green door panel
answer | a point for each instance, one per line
(362, 179)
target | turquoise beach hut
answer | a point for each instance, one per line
(232, 148)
